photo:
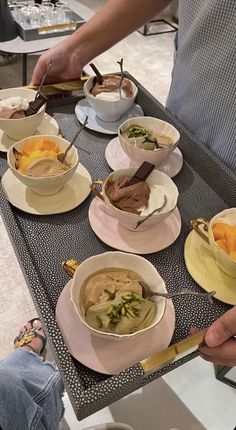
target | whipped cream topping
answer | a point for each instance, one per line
(15, 103)
(113, 96)
(111, 84)
(156, 199)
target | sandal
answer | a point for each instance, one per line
(24, 338)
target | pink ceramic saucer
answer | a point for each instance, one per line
(110, 356)
(111, 232)
(118, 159)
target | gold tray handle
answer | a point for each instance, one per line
(94, 188)
(70, 267)
(173, 353)
(202, 232)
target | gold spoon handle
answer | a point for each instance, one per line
(207, 296)
(151, 213)
(43, 79)
(74, 138)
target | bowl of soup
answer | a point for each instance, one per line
(108, 297)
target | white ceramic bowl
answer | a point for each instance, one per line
(122, 260)
(139, 155)
(129, 220)
(20, 128)
(47, 185)
(227, 264)
(109, 111)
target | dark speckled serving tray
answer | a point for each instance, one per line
(43, 242)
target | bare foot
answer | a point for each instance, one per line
(36, 344)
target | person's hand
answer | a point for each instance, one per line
(65, 65)
(220, 342)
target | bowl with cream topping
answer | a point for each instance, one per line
(108, 298)
(108, 99)
(147, 139)
(132, 205)
(35, 162)
(14, 103)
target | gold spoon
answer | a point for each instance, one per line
(147, 293)
(152, 213)
(70, 267)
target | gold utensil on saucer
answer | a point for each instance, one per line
(152, 213)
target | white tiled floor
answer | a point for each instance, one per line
(189, 398)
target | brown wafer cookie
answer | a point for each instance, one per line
(141, 174)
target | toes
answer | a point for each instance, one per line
(36, 338)
(24, 328)
(36, 323)
(29, 325)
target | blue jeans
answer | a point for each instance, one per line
(30, 393)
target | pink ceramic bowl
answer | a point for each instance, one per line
(139, 155)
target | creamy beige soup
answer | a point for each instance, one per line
(113, 302)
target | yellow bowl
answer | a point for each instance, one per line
(226, 263)
(204, 229)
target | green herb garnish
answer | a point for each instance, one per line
(125, 308)
(138, 131)
(99, 322)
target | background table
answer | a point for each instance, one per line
(20, 46)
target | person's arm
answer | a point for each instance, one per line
(114, 21)
(220, 341)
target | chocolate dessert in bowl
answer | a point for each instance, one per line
(17, 118)
(138, 198)
(147, 139)
(35, 161)
(108, 297)
(110, 95)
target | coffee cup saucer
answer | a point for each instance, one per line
(111, 232)
(73, 193)
(47, 126)
(83, 109)
(105, 355)
(118, 159)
